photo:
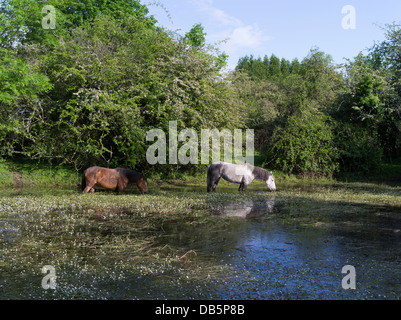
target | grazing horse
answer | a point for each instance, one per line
(243, 174)
(117, 178)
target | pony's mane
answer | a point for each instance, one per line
(130, 174)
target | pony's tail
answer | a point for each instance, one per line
(83, 183)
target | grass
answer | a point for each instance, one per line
(25, 173)
(6, 178)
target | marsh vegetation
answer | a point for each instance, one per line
(178, 242)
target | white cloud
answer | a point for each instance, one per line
(217, 14)
(225, 18)
(247, 36)
(243, 37)
(238, 34)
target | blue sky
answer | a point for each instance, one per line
(288, 29)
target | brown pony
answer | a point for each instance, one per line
(117, 178)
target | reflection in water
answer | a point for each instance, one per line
(245, 209)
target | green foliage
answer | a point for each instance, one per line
(366, 100)
(385, 95)
(387, 54)
(20, 85)
(321, 80)
(110, 81)
(284, 67)
(294, 112)
(255, 68)
(263, 101)
(289, 108)
(88, 91)
(369, 102)
(274, 66)
(295, 66)
(196, 36)
(368, 93)
(18, 80)
(22, 22)
(359, 150)
(304, 145)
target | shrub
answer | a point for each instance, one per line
(359, 150)
(305, 145)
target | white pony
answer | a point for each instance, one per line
(243, 174)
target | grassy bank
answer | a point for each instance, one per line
(20, 173)
(29, 173)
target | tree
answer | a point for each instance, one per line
(274, 66)
(244, 64)
(284, 67)
(103, 79)
(196, 36)
(369, 102)
(385, 57)
(295, 66)
(289, 110)
(387, 53)
(116, 79)
(256, 68)
(266, 63)
(20, 86)
(321, 79)
(305, 145)
(22, 19)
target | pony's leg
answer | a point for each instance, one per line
(119, 189)
(121, 185)
(209, 180)
(89, 187)
(241, 187)
(214, 186)
(88, 182)
(213, 177)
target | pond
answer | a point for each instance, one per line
(181, 243)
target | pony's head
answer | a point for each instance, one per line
(270, 182)
(142, 184)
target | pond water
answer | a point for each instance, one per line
(273, 259)
(265, 246)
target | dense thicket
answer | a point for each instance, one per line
(87, 92)
(316, 118)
